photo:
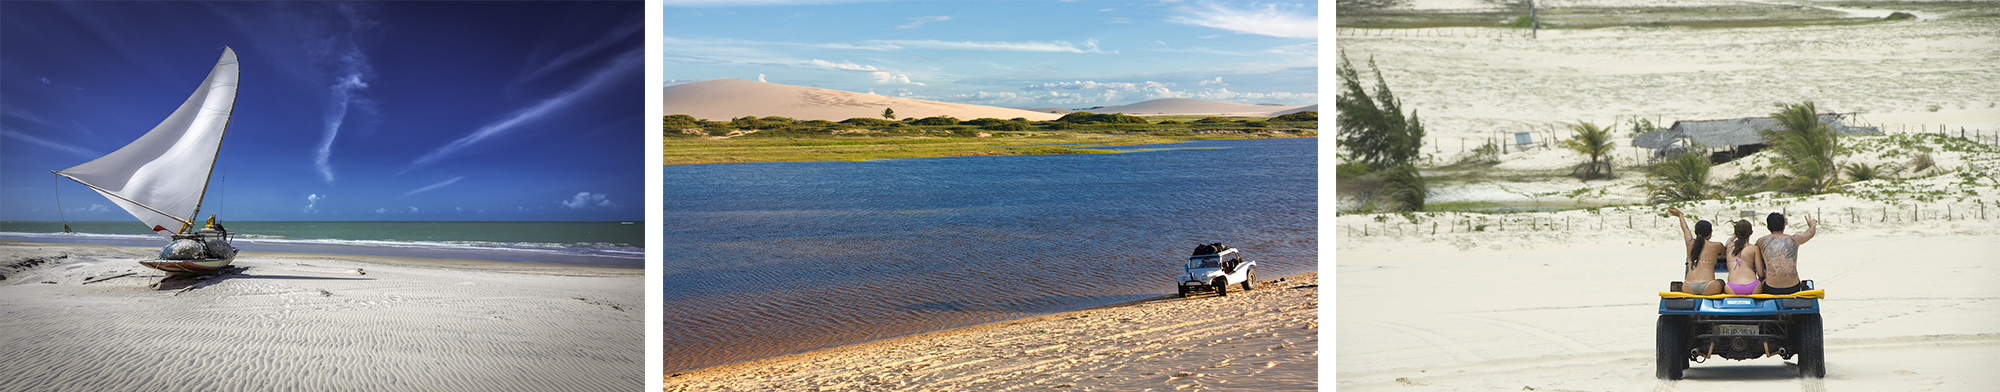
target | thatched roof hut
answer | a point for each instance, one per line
(1734, 133)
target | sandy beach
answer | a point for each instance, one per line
(87, 317)
(1262, 340)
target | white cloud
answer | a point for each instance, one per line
(612, 71)
(587, 200)
(1088, 46)
(919, 22)
(381, 210)
(414, 210)
(1305, 48)
(430, 187)
(760, 78)
(677, 81)
(45, 80)
(1217, 81)
(91, 208)
(312, 202)
(65, 147)
(834, 65)
(1267, 20)
(888, 78)
(1093, 85)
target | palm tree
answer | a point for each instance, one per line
(1805, 150)
(1593, 141)
(1404, 188)
(1683, 176)
(889, 114)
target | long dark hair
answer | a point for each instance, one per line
(1742, 237)
(1702, 229)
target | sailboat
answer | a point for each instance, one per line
(161, 177)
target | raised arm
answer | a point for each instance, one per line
(1812, 227)
(1687, 236)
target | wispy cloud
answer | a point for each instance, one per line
(430, 187)
(45, 80)
(1088, 46)
(845, 66)
(1291, 22)
(64, 147)
(312, 202)
(1217, 81)
(321, 43)
(888, 78)
(587, 200)
(611, 37)
(617, 68)
(919, 22)
(753, 3)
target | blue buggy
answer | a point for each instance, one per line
(1693, 328)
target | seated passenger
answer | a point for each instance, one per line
(1701, 256)
(1746, 268)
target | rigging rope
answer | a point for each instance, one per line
(59, 211)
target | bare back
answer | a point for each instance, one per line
(1781, 259)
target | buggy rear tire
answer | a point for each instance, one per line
(1249, 279)
(1183, 290)
(1221, 287)
(1670, 349)
(1812, 351)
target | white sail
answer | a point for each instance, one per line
(161, 177)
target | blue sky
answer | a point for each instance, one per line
(1071, 54)
(346, 111)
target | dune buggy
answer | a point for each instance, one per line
(1214, 267)
(1693, 328)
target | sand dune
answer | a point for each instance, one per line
(316, 322)
(723, 99)
(1195, 107)
(1262, 340)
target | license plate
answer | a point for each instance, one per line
(1736, 329)
(1737, 301)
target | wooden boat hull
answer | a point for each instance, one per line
(197, 266)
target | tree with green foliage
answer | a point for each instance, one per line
(1106, 118)
(1593, 142)
(681, 121)
(1211, 120)
(1374, 130)
(889, 114)
(868, 122)
(1683, 176)
(1298, 116)
(1805, 150)
(938, 120)
(747, 122)
(1403, 188)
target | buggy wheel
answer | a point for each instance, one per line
(1812, 353)
(1183, 290)
(1671, 347)
(1221, 287)
(1249, 279)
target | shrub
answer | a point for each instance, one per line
(681, 121)
(1169, 122)
(1107, 118)
(1352, 169)
(939, 120)
(1299, 116)
(1058, 125)
(747, 122)
(1211, 120)
(982, 121)
(1006, 126)
(869, 122)
(1403, 188)
(1255, 124)
(1899, 16)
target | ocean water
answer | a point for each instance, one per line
(594, 243)
(767, 259)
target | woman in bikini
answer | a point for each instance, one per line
(1701, 257)
(1746, 269)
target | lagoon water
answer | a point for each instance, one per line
(767, 259)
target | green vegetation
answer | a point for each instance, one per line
(1299, 116)
(1593, 142)
(1101, 118)
(1374, 132)
(1899, 16)
(1681, 177)
(758, 139)
(1805, 151)
(888, 114)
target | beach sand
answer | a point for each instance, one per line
(1910, 306)
(1262, 340)
(315, 322)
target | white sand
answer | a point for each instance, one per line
(317, 322)
(1261, 340)
(724, 99)
(1195, 107)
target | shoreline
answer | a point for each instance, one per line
(690, 151)
(1153, 354)
(501, 255)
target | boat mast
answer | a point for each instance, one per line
(218, 142)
